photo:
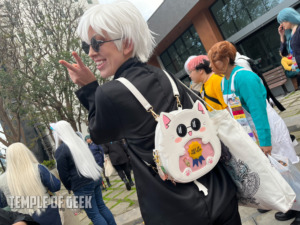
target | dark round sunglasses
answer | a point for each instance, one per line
(95, 45)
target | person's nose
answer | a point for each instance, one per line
(92, 52)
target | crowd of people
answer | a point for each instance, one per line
(116, 37)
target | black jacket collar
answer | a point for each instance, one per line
(129, 63)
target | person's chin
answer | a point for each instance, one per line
(105, 75)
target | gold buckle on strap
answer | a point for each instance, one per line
(178, 101)
(153, 113)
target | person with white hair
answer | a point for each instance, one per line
(26, 178)
(80, 173)
(118, 40)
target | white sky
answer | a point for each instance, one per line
(146, 7)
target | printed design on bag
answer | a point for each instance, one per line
(247, 181)
(194, 156)
(190, 147)
(195, 152)
(225, 154)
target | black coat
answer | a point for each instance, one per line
(114, 114)
(8, 218)
(68, 173)
(116, 152)
(98, 153)
(294, 44)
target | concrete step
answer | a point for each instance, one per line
(130, 218)
(293, 123)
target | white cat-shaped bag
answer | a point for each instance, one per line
(186, 143)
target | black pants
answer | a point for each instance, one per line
(123, 170)
(230, 216)
(106, 178)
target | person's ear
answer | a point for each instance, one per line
(227, 60)
(127, 47)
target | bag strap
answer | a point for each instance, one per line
(232, 80)
(210, 98)
(135, 92)
(175, 90)
(147, 106)
(190, 91)
(233, 77)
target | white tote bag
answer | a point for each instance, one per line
(290, 173)
(259, 184)
(109, 168)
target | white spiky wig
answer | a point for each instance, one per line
(82, 155)
(120, 19)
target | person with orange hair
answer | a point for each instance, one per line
(244, 86)
(200, 72)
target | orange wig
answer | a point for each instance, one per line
(222, 50)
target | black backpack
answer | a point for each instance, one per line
(256, 70)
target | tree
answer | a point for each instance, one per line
(34, 88)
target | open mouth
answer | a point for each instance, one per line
(196, 156)
(100, 64)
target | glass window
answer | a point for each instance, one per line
(174, 57)
(263, 47)
(233, 15)
(187, 39)
(218, 11)
(179, 46)
(256, 8)
(241, 19)
(228, 29)
(172, 52)
(271, 3)
(165, 58)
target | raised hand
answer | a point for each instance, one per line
(281, 30)
(79, 73)
(266, 149)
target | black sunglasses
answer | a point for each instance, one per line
(95, 45)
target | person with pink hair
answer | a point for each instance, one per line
(200, 72)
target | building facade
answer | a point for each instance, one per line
(191, 27)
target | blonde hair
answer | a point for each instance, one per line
(22, 174)
(83, 158)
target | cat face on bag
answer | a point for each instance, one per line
(190, 142)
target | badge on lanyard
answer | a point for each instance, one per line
(239, 115)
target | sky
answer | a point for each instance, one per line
(146, 7)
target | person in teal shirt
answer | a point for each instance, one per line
(247, 86)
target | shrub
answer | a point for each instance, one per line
(50, 164)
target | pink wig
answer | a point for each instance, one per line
(194, 62)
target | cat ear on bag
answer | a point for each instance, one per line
(166, 119)
(199, 106)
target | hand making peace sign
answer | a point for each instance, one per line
(79, 73)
